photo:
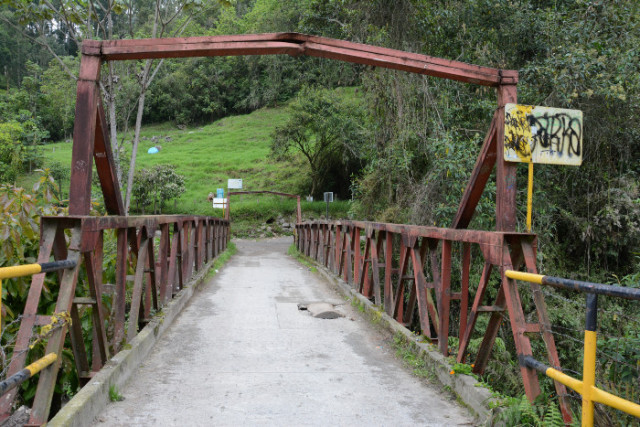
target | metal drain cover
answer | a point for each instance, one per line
(321, 310)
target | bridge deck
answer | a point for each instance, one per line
(243, 354)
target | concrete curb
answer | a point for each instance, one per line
(94, 397)
(466, 388)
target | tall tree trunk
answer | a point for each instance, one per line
(136, 139)
(314, 183)
(144, 84)
(111, 105)
(113, 128)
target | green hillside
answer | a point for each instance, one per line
(233, 147)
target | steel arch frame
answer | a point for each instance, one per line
(91, 140)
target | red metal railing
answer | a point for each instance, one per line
(163, 252)
(407, 270)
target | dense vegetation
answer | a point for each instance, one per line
(403, 146)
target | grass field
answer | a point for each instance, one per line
(233, 147)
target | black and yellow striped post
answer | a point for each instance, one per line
(20, 377)
(28, 270)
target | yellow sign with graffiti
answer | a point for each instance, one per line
(542, 135)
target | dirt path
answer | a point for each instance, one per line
(243, 354)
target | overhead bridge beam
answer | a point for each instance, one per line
(296, 44)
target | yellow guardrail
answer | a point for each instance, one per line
(586, 388)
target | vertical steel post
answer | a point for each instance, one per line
(388, 288)
(163, 258)
(356, 255)
(84, 133)
(464, 289)
(337, 249)
(444, 298)
(506, 171)
(55, 343)
(530, 196)
(121, 286)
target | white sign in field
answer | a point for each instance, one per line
(234, 184)
(219, 203)
(542, 135)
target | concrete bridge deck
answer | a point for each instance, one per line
(243, 354)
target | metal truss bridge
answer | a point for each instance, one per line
(419, 276)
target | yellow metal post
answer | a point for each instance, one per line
(587, 387)
(530, 196)
(588, 377)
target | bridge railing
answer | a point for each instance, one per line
(21, 271)
(587, 387)
(408, 271)
(153, 257)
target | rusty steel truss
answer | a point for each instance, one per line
(407, 270)
(391, 267)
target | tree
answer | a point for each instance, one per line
(59, 92)
(19, 147)
(328, 132)
(578, 55)
(11, 150)
(61, 173)
(46, 23)
(156, 186)
(171, 184)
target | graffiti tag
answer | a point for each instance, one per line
(543, 135)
